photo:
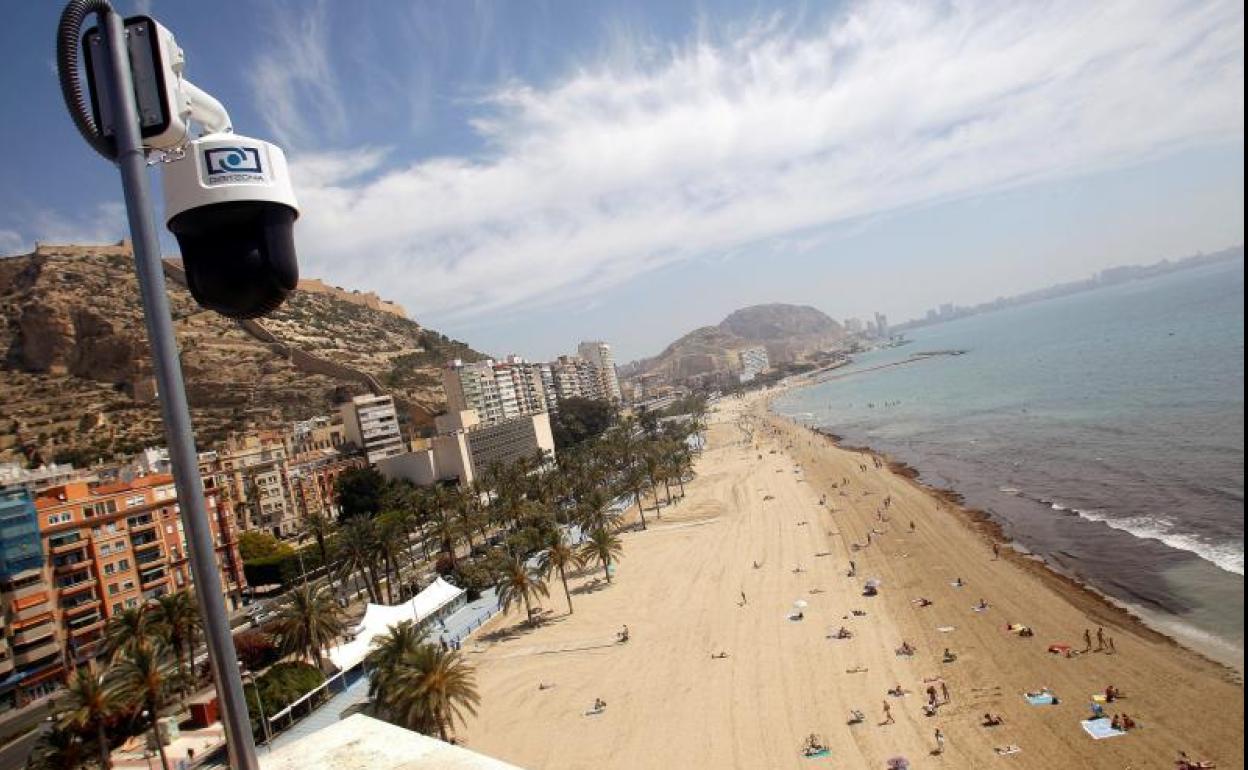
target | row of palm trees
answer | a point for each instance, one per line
(147, 666)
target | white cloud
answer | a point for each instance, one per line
(293, 83)
(11, 242)
(659, 156)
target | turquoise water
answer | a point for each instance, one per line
(1104, 430)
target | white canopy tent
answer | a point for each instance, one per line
(378, 618)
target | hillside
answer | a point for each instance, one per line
(789, 332)
(78, 385)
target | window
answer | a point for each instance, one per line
(59, 518)
(132, 603)
(113, 589)
(127, 585)
(135, 500)
(109, 569)
(117, 608)
(124, 564)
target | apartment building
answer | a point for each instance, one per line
(30, 654)
(249, 472)
(372, 424)
(465, 449)
(599, 355)
(102, 548)
(316, 434)
(312, 477)
(753, 362)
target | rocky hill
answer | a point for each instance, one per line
(789, 332)
(77, 384)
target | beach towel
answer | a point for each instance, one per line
(594, 712)
(944, 629)
(819, 753)
(1099, 697)
(1043, 699)
(1100, 728)
(1007, 750)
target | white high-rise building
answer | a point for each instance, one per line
(373, 425)
(753, 362)
(599, 355)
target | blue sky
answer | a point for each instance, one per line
(523, 175)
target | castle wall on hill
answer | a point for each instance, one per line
(367, 299)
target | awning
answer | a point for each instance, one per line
(378, 618)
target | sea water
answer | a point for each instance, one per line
(1103, 430)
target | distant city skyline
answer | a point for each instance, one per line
(517, 175)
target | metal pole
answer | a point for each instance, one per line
(132, 162)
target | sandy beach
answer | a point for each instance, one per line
(720, 573)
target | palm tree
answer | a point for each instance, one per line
(558, 556)
(320, 527)
(357, 551)
(517, 582)
(134, 627)
(143, 677)
(431, 689)
(391, 531)
(177, 617)
(385, 655)
(604, 547)
(59, 748)
(595, 513)
(90, 703)
(308, 622)
(444, 528)
(652, 461)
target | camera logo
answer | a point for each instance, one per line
(232, 163)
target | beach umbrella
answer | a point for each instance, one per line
(874, 583)
(801, 604)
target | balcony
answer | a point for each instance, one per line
(73, 588)
(86, 629)
(148, 556)
(145, 541)
(38, 653)
(152, 578)
(141, 523)
(70, 566)
(67, 546)
(34, 634)
(80, 607)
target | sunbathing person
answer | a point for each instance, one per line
(855, 717)
(923, 601)
(897, 692)
(1127, 722)
(844, 633)
(720, 655)
(905, 649)
(949, 657)
(992, 720)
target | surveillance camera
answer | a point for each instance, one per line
(229, 201)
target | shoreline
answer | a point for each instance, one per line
(723, 671)
(988, 528)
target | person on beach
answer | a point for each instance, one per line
(743, 602)
(944, 692)
(1100, 638)
(1109, 643)
(996, 551)
(940, 742)
(853, 568)
(1087, 640)
(949, 656)
(957, 583)
(912, 527)
(888, 714)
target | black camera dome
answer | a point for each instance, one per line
(239, 256)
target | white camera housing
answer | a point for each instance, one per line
(230, 203)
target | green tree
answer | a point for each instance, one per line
(391, 532)
(604, 547)
(386, 654)
(431, 689)
(308, 622)
(517, 582)
(89, 704)
(358, 555)
(145, 677)
(255, 544)
(559, 556)
(580, 419)
(359, 492)
(321, 526)
(131, 628)
(177, 617)
(59, 748)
